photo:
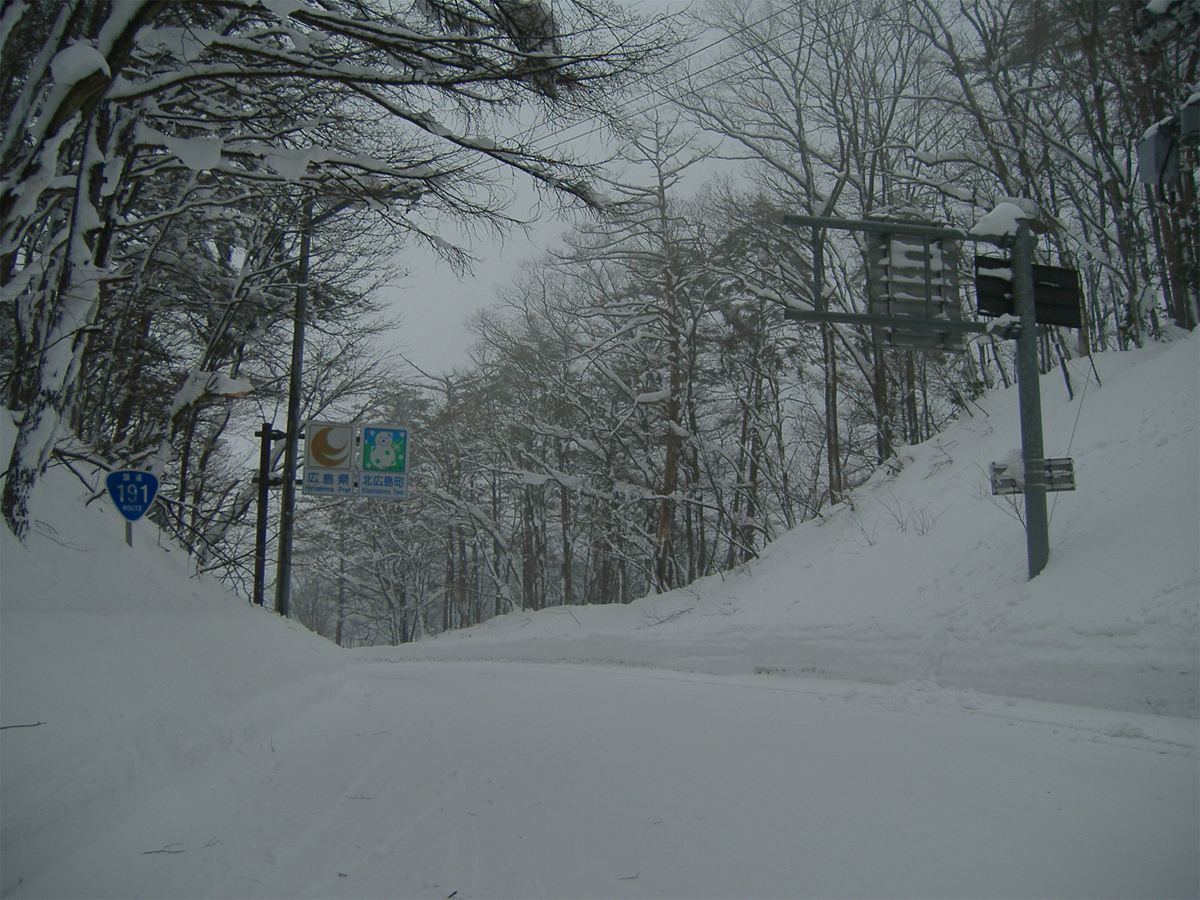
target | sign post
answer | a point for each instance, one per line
(333, 467)
(265, 480)
(1029, 402)
(132, 492)
(908, 272)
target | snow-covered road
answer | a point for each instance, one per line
(861, 712)
(465, 779)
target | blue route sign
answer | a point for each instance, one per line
(132, 491)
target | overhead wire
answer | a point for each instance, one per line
(632, 103)
(675, 62)
(1071, 440)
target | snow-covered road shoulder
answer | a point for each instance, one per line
(921, 574)
(881, 704)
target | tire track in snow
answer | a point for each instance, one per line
(319, 855)
(447, 840)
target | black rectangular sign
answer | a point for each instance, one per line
(1056, 294)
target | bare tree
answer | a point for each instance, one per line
(107, 96)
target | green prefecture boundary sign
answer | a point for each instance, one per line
(383, 469)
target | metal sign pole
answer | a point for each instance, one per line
(1040, 476)
(1029, 399)
(265, 481)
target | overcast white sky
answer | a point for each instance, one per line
(433, 302)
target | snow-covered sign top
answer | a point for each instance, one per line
(1003, 220)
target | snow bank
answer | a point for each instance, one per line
(123, 679)
(922, 574)
(126, 670)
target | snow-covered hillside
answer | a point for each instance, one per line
(1005, 737)
(922, 575)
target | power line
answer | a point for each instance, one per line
(631, 104)
(661, 88)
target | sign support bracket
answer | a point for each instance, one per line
(267, 435)
(1029, 399)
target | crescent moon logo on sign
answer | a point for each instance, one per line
(324, 453)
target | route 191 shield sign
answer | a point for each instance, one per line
(132, 491)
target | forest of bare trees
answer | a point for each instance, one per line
(636, 413)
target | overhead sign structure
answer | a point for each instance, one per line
(1002, 229)
(383, 472)
(912, 283)
(329, 459)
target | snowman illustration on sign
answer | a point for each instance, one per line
(383, 454)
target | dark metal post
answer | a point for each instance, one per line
(1029, 399)
(266, 435)
(287, 513)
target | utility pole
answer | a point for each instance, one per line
(287, 515)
